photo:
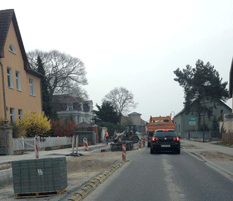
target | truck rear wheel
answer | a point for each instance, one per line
(135, 139)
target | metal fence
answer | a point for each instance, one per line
(90, 135)
(27, 144)
(195, 134)
(3, 143)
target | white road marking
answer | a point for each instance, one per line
(175, 193)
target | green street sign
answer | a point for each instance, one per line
(192, 121)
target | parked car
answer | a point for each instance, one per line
(165, 140)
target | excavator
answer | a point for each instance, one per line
(126, 136)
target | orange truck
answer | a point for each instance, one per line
(157, 123)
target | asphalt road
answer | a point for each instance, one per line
(164, 177)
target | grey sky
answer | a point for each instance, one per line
(133, 44)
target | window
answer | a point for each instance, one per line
(81, 106)
(9, 77)
(20, 113)
(32, 87)
(12, 114)
(12, 49)
(18, 80)
(69, 106)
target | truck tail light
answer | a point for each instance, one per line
(176, 139)
(154, 139)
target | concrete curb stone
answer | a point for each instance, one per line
(6, 176)
(208, 161)
(93, 184)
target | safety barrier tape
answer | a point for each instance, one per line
(36, 147)
(85, 144)
(123, 151)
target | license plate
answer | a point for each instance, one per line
(165, 145)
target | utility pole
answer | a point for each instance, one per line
(203, 127)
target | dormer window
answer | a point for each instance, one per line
(12, 49)
(81, 106)
(70, 106)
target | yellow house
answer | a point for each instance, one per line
(20, 89)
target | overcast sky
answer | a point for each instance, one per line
(132, 44)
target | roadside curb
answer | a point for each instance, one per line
(211, 163)
(6, 176)
(93, 184)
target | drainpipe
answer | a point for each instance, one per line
(3, 87)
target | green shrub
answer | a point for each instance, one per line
(48, 148)
(66, 146)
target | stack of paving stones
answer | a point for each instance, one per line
(39, 175)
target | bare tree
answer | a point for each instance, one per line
(122, 100)
(78, 92)
(63, 72)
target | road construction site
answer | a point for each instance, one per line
(83, 169)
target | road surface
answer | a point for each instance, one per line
(164, 176)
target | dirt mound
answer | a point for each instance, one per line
(83, 168)
(79, 170)
(216, 156)
(190, 146)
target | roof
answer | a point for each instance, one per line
(133, 113)
(125, 120)
(66, 98)
(5, 20)
(60, 102)
(183, 110)
(6, 17)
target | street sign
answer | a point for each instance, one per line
(192, 121)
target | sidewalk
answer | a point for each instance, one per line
(6, 174)
(4, 159)
(198, 147)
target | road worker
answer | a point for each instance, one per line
(106, 137)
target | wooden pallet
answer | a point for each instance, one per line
(39, 194)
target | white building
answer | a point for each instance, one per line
(68, 106)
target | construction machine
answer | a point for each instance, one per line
(126, 136)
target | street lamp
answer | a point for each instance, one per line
(171, 114)
(203, 114)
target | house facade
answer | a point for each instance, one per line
(20, 88)
(135, 122)
(68, 106)
(189, 122)
(227, 123)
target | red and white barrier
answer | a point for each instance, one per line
(123, 151)
(76, 144)
(140, 143)
(36, 143)
(144, 141)
(85, 144)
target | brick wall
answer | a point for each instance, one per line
(227, 138)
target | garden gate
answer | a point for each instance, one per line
(3, 143)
